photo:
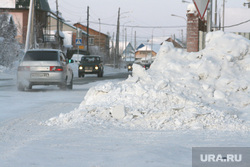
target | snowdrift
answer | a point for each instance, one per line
(203, 90)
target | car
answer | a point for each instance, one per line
(147, 66)
(90, 65)
(76, 58)
(44, 67)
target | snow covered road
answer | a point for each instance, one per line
(26, 141)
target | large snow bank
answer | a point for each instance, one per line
(204, 90)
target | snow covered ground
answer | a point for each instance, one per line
(153, 118)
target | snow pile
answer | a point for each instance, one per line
(204, 90)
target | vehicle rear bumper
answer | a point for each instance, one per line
(40, 78)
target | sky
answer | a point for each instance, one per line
(152, 13)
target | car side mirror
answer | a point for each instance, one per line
(71, 61)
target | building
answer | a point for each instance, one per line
(176, 42)
(19, 11)
(98, 41)
(144, 52)
(128, 54)
(67, 31)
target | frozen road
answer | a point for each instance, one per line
(26, 141)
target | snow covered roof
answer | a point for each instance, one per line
(7, 4)
(54, 17)
(146, 48)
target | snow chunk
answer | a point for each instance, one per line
(118, 112)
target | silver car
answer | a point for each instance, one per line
(44, 67)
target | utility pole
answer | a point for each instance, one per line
(209, 16)
(99, 35)
(223, 15)
(88, 29)
(57, 26)
(27, 42)
(113, 49)
(215, 15)
(117, 36)
(135, 41)
(125, 49)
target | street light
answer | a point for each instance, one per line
(179, 16)
(182, 18)
(183, 1)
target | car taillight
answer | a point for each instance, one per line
(24, 68)
(56, 68)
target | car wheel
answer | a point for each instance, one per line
(80, 75)
(63, 86)
(30, 86)
(100, 74)
(20, 87)
(70, 86)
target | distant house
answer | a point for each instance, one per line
(144, 52)
(176, 42)
(19, 11)
(128, 54)
(68, 32)
(98, 42)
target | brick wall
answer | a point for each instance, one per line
(192, 33)
(99, 39)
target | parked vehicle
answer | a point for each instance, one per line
(44, 67)
(90, 65)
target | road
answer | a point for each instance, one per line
(25, 139)
(15, 103)
(93, 78)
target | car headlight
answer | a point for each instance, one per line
(80, 67)
(96, 67)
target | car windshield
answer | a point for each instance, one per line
(90, 59)
(41, 56)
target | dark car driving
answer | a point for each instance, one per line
(90, 65)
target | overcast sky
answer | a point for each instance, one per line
(134, 13)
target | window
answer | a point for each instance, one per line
(41, 56)
(91, 41)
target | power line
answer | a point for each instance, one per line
(234, 25)
(131, 26)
